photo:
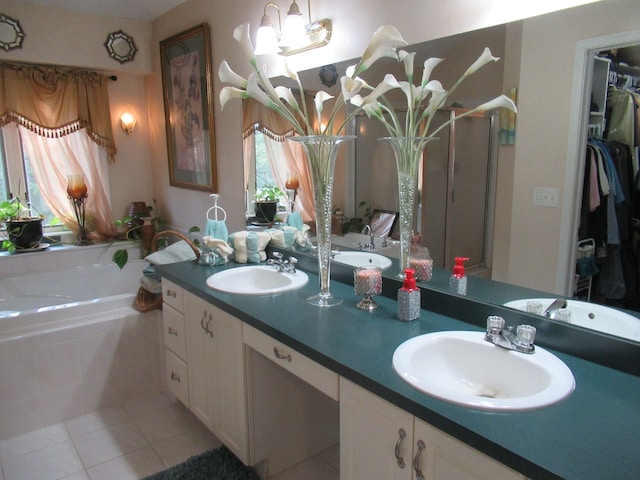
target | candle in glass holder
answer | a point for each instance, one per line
(292, 182)
(368, 280)
(423, 268)
(76, 188)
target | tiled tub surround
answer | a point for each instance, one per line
(93, 353)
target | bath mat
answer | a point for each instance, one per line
(217, 464)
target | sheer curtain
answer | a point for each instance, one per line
(284, 156)
(65, 129)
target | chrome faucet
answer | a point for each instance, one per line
(521, 341)
(286, 266)
(554, 307)
(371, 245)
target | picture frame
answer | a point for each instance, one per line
(187, 84)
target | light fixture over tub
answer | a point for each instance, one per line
(127, 121)
(295, 36)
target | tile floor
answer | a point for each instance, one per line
(140, 438)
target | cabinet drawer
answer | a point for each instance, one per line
(177, 381)
(172, 295)
(311, 372)
(174, 332)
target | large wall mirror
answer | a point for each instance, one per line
(550, 136)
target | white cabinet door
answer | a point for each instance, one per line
(442, 457)
(215, 362)
(375, 436)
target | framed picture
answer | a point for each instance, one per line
(187, 84)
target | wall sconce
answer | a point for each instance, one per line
(127, 122)
(295, 37)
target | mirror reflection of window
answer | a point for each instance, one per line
(382, 222)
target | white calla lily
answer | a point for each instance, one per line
(287, 95)
(319, 100)
(241, 35)
(499, 102)
(226, 75)
(227, 93)
(429, 65)
(481, 61)
(350, 86)
(292, 74)
(254, 91)
(389, 83)
(384, 43)
(407, 60)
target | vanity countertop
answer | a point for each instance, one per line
(595, 433)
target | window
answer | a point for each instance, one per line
(16, 173)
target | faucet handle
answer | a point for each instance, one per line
(277, 255)
(494, 324)
(293, 260)
(525, 335)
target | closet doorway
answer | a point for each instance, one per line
(603, 260)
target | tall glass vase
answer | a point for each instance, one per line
(408, 153)
(321, 153)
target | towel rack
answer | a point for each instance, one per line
(216, 208)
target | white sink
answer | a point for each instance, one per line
(361, 259)
(256, 280)
(591, 315)
(464, 369)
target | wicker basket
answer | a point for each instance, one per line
(146, 300)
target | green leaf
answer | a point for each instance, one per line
(195, 228)
(121, 257)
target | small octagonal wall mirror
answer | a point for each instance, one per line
(120, 46)
(11, 34)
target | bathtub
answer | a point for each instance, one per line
(71, 342)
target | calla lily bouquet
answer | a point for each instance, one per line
(384, 43)
(423, 99)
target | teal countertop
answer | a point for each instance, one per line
(594, 434)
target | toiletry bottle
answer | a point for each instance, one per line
(408, 298)
(458, 279)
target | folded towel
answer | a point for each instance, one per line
(176, 252)
(294, 219)
(248, 247)
(216, 229)
(220, 247)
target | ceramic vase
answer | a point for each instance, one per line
(321, 151)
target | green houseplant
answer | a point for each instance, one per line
(24, 230)
(266, 202)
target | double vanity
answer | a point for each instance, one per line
(278, 380)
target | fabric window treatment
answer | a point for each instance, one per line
(65, 123)
(284, 156)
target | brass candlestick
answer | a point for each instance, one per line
(77, 191)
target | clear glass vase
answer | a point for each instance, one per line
(321, 153)
(408, 154)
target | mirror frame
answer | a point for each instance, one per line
(19, 34)
(114, 37)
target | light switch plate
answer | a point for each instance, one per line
(546, 196)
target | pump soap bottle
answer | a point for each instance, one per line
(458, 279)
(408, 298)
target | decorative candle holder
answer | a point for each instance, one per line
(77, 191)
(291, 185)
(367, 282)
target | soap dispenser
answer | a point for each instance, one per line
(458, 279)
(408, 298)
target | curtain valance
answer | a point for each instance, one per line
(54, 102)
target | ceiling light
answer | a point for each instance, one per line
(296, 36)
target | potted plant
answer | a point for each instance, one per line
(266, 202)
(24, 230)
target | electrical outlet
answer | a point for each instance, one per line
(546, 197)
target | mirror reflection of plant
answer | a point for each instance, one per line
(356, 224)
